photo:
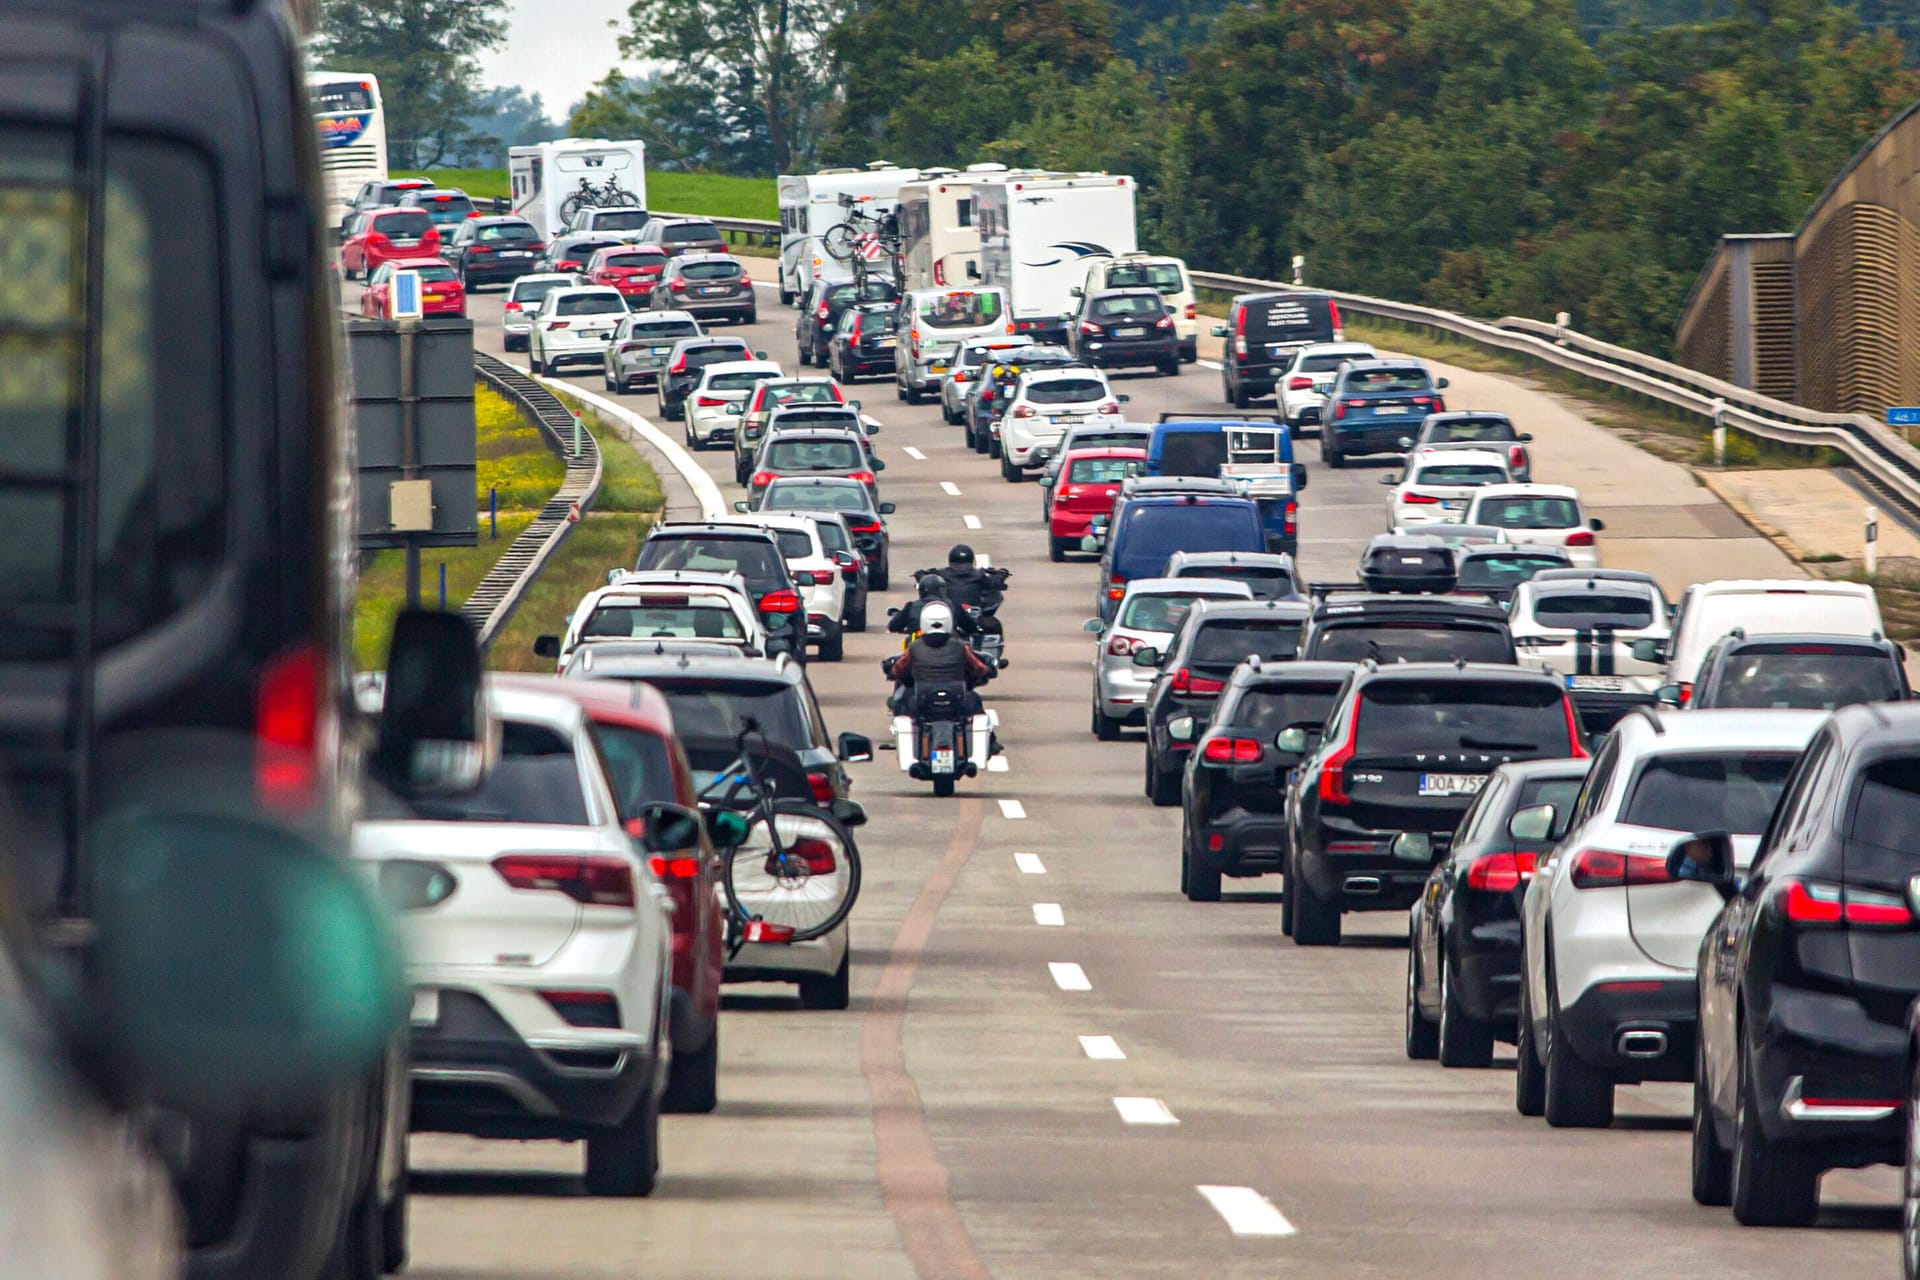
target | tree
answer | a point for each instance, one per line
(423, 52)
(501, 118)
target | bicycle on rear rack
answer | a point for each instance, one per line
(794, 873)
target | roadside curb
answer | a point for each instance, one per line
(1787, 546)
(713, 505)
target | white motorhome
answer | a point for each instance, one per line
(549, 179)
(811, 204)
(939, 238)
(1037, 232)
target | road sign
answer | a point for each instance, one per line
(403, 296)
(1903, 417)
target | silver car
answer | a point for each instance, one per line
(1147, 618)
(523, 299)
(641, 345)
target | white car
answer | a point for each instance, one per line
(958, 382)
(1301, 389)
(1609, 937)
(669, 604)
(719, 398)
(1539, 515)
(1147, 617)
(1043, 404)
(538, 948)
(524, 297)
(1761, 606)
(823, 591)
(1439, 490)
(573, 326)
(1586, 628)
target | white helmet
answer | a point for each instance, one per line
(936, 619)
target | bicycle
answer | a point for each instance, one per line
(608, 194)
(794, 872)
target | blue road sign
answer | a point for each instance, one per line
(1904, 417)
(404, 296)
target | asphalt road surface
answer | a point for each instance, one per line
(1056, 1066)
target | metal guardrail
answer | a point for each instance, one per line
(498, 595)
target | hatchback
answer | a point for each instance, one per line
(817, 573)
(375, 236)
(685, 363)
(677, 236)
(641, 345)
(821, 307)
(632, 270)
(720, 396)
(524, 297)
(1437, 488)
(441, 293)
(1147, 617)
(862, 343)
(573, 326)
(709, 285)
(447, 207)
(1120, 328)
(810, 453)
(1477, 429)
(848, 498)
(574, 252)
(969, 364)
(1088, 484)
(1300, 389)
(1372, 403)
(1042, 405)
(1540, 515)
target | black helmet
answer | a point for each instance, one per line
(932, 585)
(961, 555)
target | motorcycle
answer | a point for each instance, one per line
(990, 589)
(937, 741)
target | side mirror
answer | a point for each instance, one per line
(546, 647)
(435, 737)
(1092, 542)
(1649, 651)
(1218, 331)
(1299, 476)
(1093, 626)
(1440, 384)
(665, 828)
(1532, 825)
(805, 578)
(1390, 479)
(845, 559)
(761, 355)
(1596, 524)
(850, 812)
(1124, 399)
(1182, 728)
(1077, 292)
(854, 748)
(1413, 846)
(1526, 437)
(855, 406)
(886, 508)
(1292, 740)
(879, 465)
(725, 828)
(1706, 858)
(1667, 695)
(1406, 442)
(1146, 656)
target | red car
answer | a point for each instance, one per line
(1089, 482)
(645, 765)
(632, 269)
(441, 293)
(375, 236)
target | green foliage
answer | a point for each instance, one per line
(513, 458)
(425, 55)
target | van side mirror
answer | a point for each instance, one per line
(1706, 858)
(435, 736)
(665, 828)
(1533, 824)
(546, 647)
(854, 748)
(1299, 476)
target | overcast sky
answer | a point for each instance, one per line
(557, 51)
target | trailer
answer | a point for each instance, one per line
(811, 204)
(1037, 232)
(549, 180)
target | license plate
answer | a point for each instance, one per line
(1452, 784)
(1390, 408)
(1605, 684)
(1130, 333)
(943, 760)
(1453, 504)
(938, 369)
(660, 351)
(405, 244)
(715, 291)
(595, 333)
(426, 1006)
(515, 253)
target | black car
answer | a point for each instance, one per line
(708, 285)
(681, 373)
(1407, 749)
(1234, 797)
(862, 342)
(995, 389)
(1807, 973)
(1263, 331)
(749, 551)
(1463, 954)
(1215, 637)
(1268, 574)
(1802, 672)
(679, 236)
(1355, 626)
(1122, 328)
(820, 312)
(795, 416)
(1409, 562)
(1497, 569)
(492, 251)
(865, 518)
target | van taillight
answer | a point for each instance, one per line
(1580, 538)
(286, 730)
(1333, 315)
(1240, 333)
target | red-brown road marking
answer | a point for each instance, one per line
(913, 1182)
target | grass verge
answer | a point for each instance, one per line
(716, 195)
(628, 483)
(603, 540)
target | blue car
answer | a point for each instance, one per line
(1252, 451)
(1373, 405)
(1148, 530)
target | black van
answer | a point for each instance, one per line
(1263, 330)
(179, 567)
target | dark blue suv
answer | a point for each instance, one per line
(1371, 406)
(1148, 530)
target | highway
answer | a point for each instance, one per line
(1056, 1066)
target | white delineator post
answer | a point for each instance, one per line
(1872, 556)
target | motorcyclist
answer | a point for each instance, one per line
(938, 657)
(968, 585)
(932, 586)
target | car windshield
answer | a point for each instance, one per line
(630, 260)
(1528, 513)
(1271, 710)
(1504, 569)
(1731, 791)
(1103, 470)
(1229, 642)
(656, 330)
(1418, 717)
(706, 708)
(639, 767)
(814, 455)
(1807, 677)
(1267, 582)
(754, 559)
(1461, 475)
(625, 220)
(1158, 612)
(1474, 430)
(818, 497)
(1386, 381)
(1163, 277)
(590, 304)
(960, 310)
(1130, 306)
(710, 270)
(536, 780)
(402, 226)
(1585, 610)
(741, 381)
(689, 232)
(525, 291)
(1386, 642)
(1065, 391)
(510, 231)
(670, 616)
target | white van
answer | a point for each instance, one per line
(1763, 606)
(934, 324)
(1161, 273)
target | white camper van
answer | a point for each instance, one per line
(939, 236)
(549, 179)
(811, 204)
(1037, 232)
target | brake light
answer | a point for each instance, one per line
(665, 868)
(822, 787)
(678, 366)
(822, 313)
(1092, 330)
(1499, 872)
(986, 395)
(1184, 681)
(596, 882)
(1817, 903)
(627, 347)
(1110, 407)
(707, 402)
(678, 286)
(1608, 869)
(1240, 333)
(557, 324)
(864, 477)
(1023, 411)
(514, 306)
(853, 334)
(1116, 587)
(1193, 311)
(761, 479)
(378, 237)
(1422, 400)
(960, 375)
(1067, 491)
(1333, 314)
(1122, 646)
(286, 730)
(473, 213)
(1293, 511)
(1686, 692)
(1232, 751)
(1299, 383)
(1439, 404)
(816, 854)
(1333, 773)
(1580, 538)
(1340, 409)
(1419, 500)
(865, 528)
(1577, 751)
(1516, 458)
(1164, 322)
(781, 601)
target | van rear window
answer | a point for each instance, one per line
(1412, 717)
(631, 220)
(1162, 277)
(1151, 534)
(1285, 318)
(1193, 453)
(690, 233)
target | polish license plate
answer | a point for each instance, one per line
(1603, 684)
(1136, 332)
(426, 1007)
(943, 760)
(1390, 408)
(1452, 784)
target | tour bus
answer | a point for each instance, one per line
(811, 204)
(939, 238)
(1037, 232)
(549, 180)
(352, 126)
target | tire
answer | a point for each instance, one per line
(1240, 398)
(943, 787)
(1529, 1077)
(625, 1160)
(1171, 369)
(1330, 455)
(857, 618)
(607, 379)
(913, 395)
(1162, 790)
(1105, 727)
(750, 317)
(1712, 1164)
(1464, 1041)
(1316, 922)
(1200, 882)
(1910, 1187)
(833, 647)
(1422, 1038)
(1009, 472)
(786, 298)
(533, 362)
(993, 447)
(1056, 549)
(693, 1083)
(1771, 1185)
(876, 581)
(1578, 1095)
(831, 992)
(899, 390)
(1288, 881)
(393, 1230)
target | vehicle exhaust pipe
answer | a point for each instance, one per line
(1641, 1044)
(1361, 885)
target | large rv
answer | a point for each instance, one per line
(939, 235)
(811, 204)
(549, 180)
(1037, 232)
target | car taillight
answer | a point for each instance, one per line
(286, 730)
(1580, 538)
(865, 528)
(817, 855)
(1293, 512)
(1240, 333)
(781, 601)
(1184, 681)
(1116, 587)
(1093, 330)
(557, 324)
(1419, 500)
(961, 375)
(986, 395)
(822, 787)
(864, 477)
(1123, 646)
(1299, 383)
(514, 306)
(1164, 322)
(1333, 771)
(1516, 458)
(665, 868)
(1111, 406)
(678, 366)
(1439, 404)
(678, 286)
(626, 348)
(1193, 312)
(1609, 869)
(761, 479)
(473, 213)
(1576, 750)
(1340, 409)
(594, 881)
(1816, 902)
(822, 313)
(1023, 411)
(1232, 751)
(1067, 491)
(1500, 872)
(1423, 401)
(378, 237)
(710, 402)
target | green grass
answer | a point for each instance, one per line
(714, 194)
(481, 184)
(628, 484)
(382, 589)
(603, 540)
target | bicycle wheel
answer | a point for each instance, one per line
(572, 205)
(838, 241)
(619, 195)
(808, 886)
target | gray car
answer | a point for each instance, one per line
(641, 345)
(711, 285)
(1149, 615)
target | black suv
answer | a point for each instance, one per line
(1406, 751)
(1215, 637)
(492, 251)
(1355, 626)
(1800, 672)
(1806, 975)
(862, 341)
(1118, 328)
(820, 312)
(1234, 804)
(751, 552)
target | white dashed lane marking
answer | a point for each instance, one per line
(972, 522)
(1144, 1111)
(1248, 1213)
(1069, 976)
(1012, 809)
(1102, 1048)
(914, 453)
(952, 490)
(1049, 913)
(1029, 864)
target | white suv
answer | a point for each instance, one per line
(1301, 389)
(1044, 403)
(1609, 937)
(719, 399)
(573, 326)
(524, 297)
(822, 588)
(1439, 490)
(671, 605)
(538, 948)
